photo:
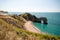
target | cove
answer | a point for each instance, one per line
(50, 28)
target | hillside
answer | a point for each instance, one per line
(11, 28)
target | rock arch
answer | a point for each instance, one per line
(33, 18)
(44, 19)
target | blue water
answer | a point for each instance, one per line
(53, 26)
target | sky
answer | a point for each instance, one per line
(30, 5)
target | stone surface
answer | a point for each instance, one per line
(33, 18)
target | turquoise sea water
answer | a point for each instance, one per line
(53, 26)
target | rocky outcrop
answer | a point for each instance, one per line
(43, 19)
(33, 18)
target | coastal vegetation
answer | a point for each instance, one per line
(12, 28)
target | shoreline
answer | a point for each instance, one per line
(30, 27)
(38, 29)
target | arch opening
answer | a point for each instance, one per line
(43, 20)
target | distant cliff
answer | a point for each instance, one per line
(3, 13)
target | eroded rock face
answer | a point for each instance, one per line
(44, 19)
(33, 18)
(28, 16)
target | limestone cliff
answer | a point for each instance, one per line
(33, 18)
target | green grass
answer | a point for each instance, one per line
(11, 32)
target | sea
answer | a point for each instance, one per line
(53, 26)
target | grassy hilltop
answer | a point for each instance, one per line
(11, 28)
